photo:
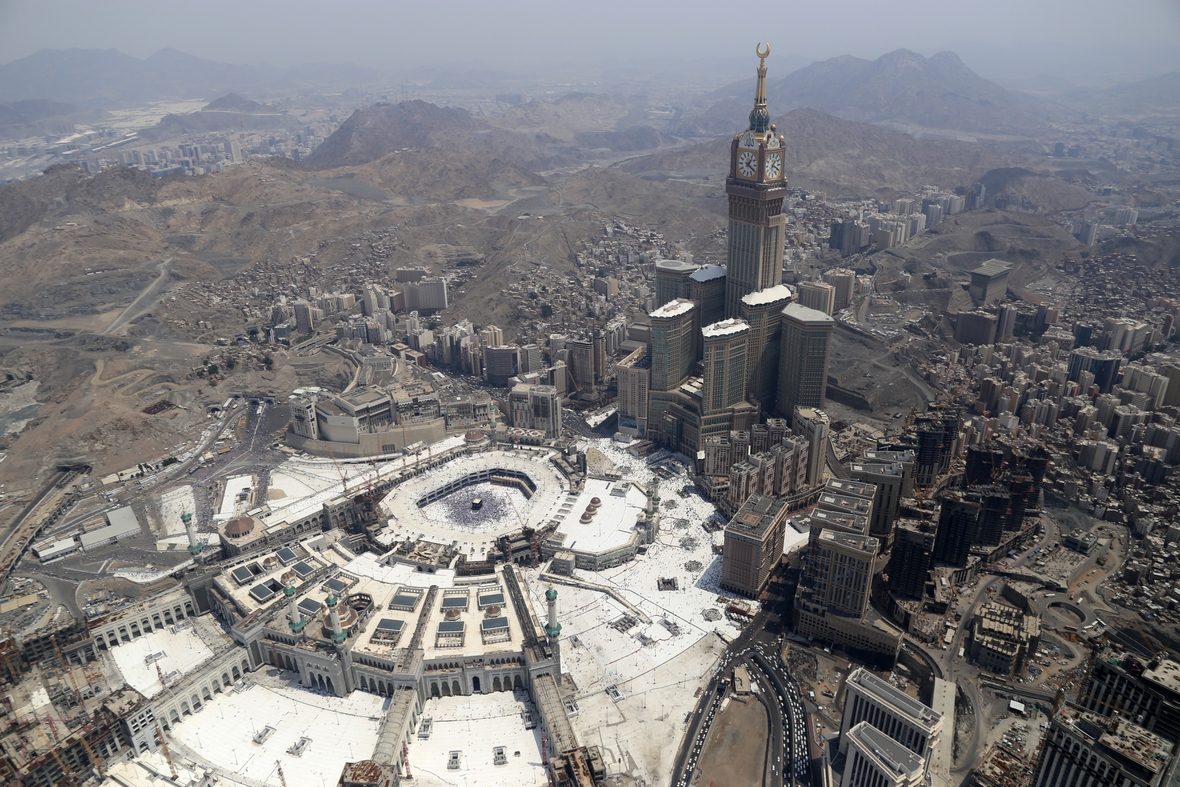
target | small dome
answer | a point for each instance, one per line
(452, 614)
(474, 435)
(596, 501)
(236, 528)
(492, 611)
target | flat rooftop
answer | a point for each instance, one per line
(731, 327)
(708, 273)
(176, 654)
(846, 503)
(673, 309)
(475, 726)
(676, 266)
(258, 583)
(889, 754)
(340, 729)
(1146, 749)
(755, 516)
(851, 488)
(234, 486)
(885, 691)
(780, 293)
(992, 268)
(851, 523)
(1166, 676)
(866, 544)
(620, 504)
(807, 316)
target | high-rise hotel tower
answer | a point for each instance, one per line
(756, 187)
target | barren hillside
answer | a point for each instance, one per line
(842, 158)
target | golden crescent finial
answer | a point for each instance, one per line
(758, 50)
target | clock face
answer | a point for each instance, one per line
(747, 164)
(774, 165)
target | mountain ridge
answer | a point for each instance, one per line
(899, 88)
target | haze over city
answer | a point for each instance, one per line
(589, 395)
(1086, 41)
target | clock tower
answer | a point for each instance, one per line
(756, 187)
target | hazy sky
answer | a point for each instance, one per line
(996, 37)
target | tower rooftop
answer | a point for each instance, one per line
(708, 273)
(676, 308)
(805, 315)
(771, 295)
(730, 327)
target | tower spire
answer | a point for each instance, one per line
(759, 115)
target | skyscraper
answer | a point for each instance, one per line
(844, 282)
(763, 311)
(756, 187)
(993, 514)
(672, 280)
(841, 565)
(889, 480)
(634, 379)
(910, 562)
(803, 359)
(724, 381)
(875, 760)
(581, 362)
(913, 724)
(1083, 749)
(1007, 326)
(958, 527)
(753, 545)
(672, 345)
(706, 288)
(814, 426)
(817, 295)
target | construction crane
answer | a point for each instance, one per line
(65, 769)
(167, 754)
(282, 778)
(52, 727)
(69, 673)
(339, 469)
(95, 760)
(24, 753)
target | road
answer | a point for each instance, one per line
(145, 299)
(788, 752)
(24, 526)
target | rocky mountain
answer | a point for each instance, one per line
(67, 189)
(230, 112)
(376, 131)
(902, 89)
(232, 102)
(840, 157)
(1157, 95)
(109, 78)
(536, 135)
(574, 113)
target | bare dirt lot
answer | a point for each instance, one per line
(735, 751)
